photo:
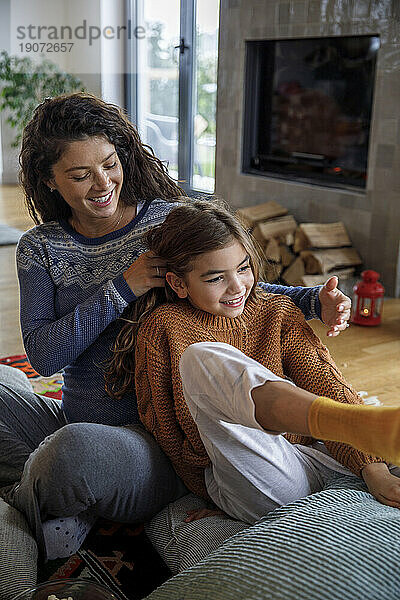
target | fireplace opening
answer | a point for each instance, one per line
(308, 106)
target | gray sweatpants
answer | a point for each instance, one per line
(49, 468)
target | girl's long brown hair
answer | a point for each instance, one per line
(59, 121)
(191, 229)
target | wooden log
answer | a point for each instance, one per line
(294, 274)
(251, 215)
(272, 250)
(322, 235)
(278, 228)
(313, 280)
(289, 239)
(300, 241)
(287, 257)
(323, 261)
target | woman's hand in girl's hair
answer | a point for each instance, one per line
(384, 486)
(335, 307)
(146, 272)
(202, 513)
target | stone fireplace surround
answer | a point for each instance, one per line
(372, 217)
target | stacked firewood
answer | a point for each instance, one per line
(306, 254)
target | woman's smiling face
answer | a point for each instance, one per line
(89, 177)
(219, 283)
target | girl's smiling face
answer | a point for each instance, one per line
(219, 283)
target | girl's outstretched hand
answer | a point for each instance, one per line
(384, 486)
(146, 272)
(335, 307)
(201, 513)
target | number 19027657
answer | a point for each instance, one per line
(46, 46)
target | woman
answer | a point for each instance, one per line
(97, 190)
(212, 356)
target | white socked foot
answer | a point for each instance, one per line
(64, 536)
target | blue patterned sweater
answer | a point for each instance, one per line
(72, 291)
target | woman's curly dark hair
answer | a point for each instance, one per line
(58, 121)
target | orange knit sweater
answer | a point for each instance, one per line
(271, 330)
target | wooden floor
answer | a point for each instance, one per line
(13, 213)
(369, 357)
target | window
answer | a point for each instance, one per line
(172, 88)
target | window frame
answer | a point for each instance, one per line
(187, 74)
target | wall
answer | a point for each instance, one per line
(98, 63)
(84, 58)
(372, 217)
(8, 157)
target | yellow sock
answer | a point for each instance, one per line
(372, 429)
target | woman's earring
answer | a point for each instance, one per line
(52, 189)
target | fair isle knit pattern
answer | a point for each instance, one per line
(72, 293)
(272, 331)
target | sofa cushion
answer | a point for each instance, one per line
(181, 544)
(337, 544)
(18, 553)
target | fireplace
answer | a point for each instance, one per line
(370, 210)
(308, 107)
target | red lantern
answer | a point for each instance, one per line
(368, 300)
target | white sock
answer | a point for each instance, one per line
(64, 536)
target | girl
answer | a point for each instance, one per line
(212, 356)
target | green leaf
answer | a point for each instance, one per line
(25, 82)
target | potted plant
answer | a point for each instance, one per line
(24, 83)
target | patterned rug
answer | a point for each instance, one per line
(119, 556)
(45, 386)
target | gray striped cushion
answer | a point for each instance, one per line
(181, 544)
(18, 553)
(338, 544)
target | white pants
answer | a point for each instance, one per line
(253, 471)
